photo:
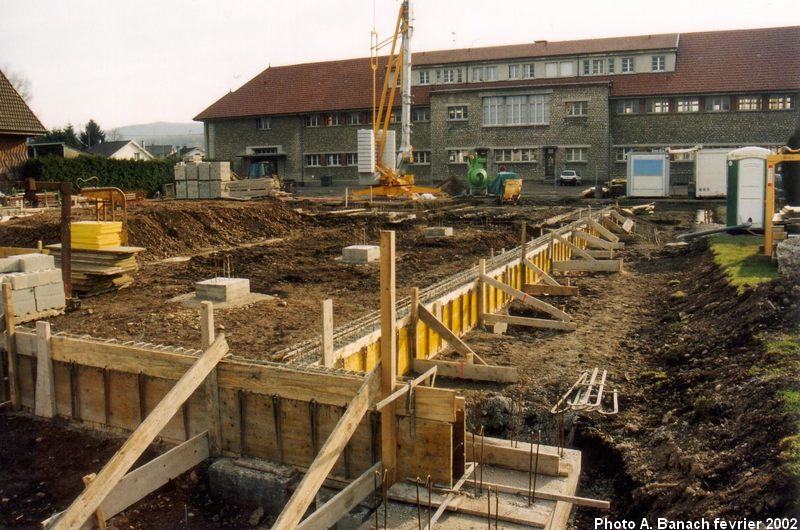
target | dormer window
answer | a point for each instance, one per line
(658, 63)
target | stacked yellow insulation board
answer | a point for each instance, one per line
(99, 261)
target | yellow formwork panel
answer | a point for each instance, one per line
(422, 340)
(355, 361)
(455, 316)
(473, 314)
(446, 314)
(433, 342)
(373, 356)
(465, 312)
(403, 351)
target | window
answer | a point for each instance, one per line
(658, 63)
(687, 105)
(333, 160)
(513, 71)
(718, 103)
(421, 114)
(312, 120)
(781, 102)
(551, 70)
(621, 153)
(515, 155)
(422, 157)
(457, 156)
(611, 65)
(683, 157)
(424, 77)
(516, 110)
(490, 73)
(749, 103)
(577, 108)
(628, 106)
(395, 116)
(137, 156)
(597, 66)
(529, 71)
(457, 113)
(333, 120)
(264, 124)
(658, 106)
(312, 160)
(576, 154)
(627, 65)
(566, 68)
(586, 67)
(354, 118)
(477, 74)
(352, 159)
(451, 75)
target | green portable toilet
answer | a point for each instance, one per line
(747, 177)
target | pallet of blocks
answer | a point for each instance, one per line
(100, 263)
(37, 290)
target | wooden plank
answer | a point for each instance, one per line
(548, 496)
(549, 280)
(600, 254)
(436, 404)
(444, 332)
(45, 404)
(424, 448)
(94, 494)
(326, 458)
(481, 289)
(11, 348)
(473, 372)
(329, 513)
(497, 452)
(572, 246)
(605, 265)
(530, 322)
(603, 231)
(430, 374)
(528, 300)
(452, 493)
(596, 242)
(212, 381)
(552, 290)
(327, 333)
(388, 366)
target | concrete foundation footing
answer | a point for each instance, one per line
(255, 482)
(361, 253)
(222, 289)
(439, 231)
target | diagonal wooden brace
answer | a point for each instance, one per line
(444, 332)
(549, 280)
(527, 299)
(575, 248)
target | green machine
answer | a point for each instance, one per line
(506, 186)
(477, 176)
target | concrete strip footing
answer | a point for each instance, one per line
(361, 253)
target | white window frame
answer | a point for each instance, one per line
(264, 123)
(490, 73)
(513, 71)
(458, 156)
(561, 68)
(452, 75)
(457, 113)
(529, 71)
(781, 102)
(493, 110)
(628, 65)
(333, 159)
(587, 67)
(354, 118)
(622, 152)
(658, 63)
(611, 65)
(749, 103)
(313, 160)
(422, 158)
(687, 105)
(477, 73)
(515, 155)
(576, 109)
(352, 159)
(576, 154)
(627, 106)
(598, 66)
(424, 77)
(657, 106)
(311, 120)
(426, 112)
(718, 103)
(551, 68)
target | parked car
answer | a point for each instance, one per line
(569, 177)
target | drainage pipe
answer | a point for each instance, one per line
(703, 233)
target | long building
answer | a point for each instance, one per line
(535, 108)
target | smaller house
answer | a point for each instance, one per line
(17, 124)
(189, 154)
(60, 149)
(162, 152)
(121, 150)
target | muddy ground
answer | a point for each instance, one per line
(698, 430)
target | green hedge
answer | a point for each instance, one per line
(127, 175)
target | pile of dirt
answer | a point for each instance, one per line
(173, 228)
(704, 439)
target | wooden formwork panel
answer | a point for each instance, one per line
(425, 450)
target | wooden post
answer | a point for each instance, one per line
(412, 324)
(524, 241)
(212, 386)
(388, 353)
(327, 333)
(11, 348)
(45, 405)
(481, 290)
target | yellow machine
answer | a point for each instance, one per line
(394, 182)
(786, 155)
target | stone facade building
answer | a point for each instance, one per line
(535, 109)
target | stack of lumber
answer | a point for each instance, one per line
(251, 188)
(96, 271)
(96, 235)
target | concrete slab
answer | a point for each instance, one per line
(222, 289)
(191, 300)
(180, 189)
(221, 171)
(439, 231)
(203, 171)
(25, 280)
(180, 172)
(192, 189)
(9, 265)
(361, 253)
(191, 172)
(252, 481)
(35, 262)
(204, 189)
(23, 300)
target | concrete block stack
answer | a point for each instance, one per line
(36, 284)
(201, 180)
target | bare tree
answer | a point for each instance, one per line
(20, 83)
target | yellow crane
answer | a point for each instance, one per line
(785, 155)
(394, 182)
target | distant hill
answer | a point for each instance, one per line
(161, 133)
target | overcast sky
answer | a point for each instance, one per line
(127, 62)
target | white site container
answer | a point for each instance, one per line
(648, 175)
(711, 172)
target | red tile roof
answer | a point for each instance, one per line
(709, 62)
(15, 115)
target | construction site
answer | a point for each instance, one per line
(486, 350)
